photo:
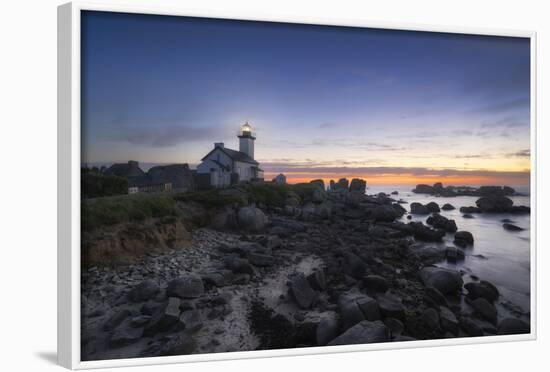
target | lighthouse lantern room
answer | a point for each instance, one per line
(246, 140)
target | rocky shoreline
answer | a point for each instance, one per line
(333, 268)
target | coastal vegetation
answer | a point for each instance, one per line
(108, 211)
(95, 184)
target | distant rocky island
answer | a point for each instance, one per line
(450, 191)
(493, 199)
(265, 266)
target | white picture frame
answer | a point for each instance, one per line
(69, 188)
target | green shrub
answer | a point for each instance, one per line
(275, 195)
(211, 198)
(109, 211)
(95, 185)
(304, 190)
(272, 195)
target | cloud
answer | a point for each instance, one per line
(326, 125)
(472, 156)
(165, 136)
(349, 143)
(520, 154)
(356, 144)
(504, 105)
(506, 122)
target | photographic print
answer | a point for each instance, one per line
(252, 185)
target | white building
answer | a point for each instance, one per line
(222, 167)
(279, 179)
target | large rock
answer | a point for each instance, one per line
(319, 183)
(327, 330)
(433, 207)
(375, 283)
(471, 327)
(440, 222)
(143, 291)
(495, 204)
(317, 280)
(448, 320)
(495, 190)
(430, 316)
(395, 326)
(384, 213)
(252, 219)
(520, 209)
(302, 292)
(447, 207)
(350, 312)
(185, 287)
(512, 326)
(165, 318)
(423, 232)
(391, 306)
(454, 254)
(357, 307)
(482, 289)
(342, 183)
(463, 238)
(485, 309)
(511, 227)
(469, 210)
(418, 208)
(444, 280)
(434, 298)
(364, 332)
(354, 266)
(423, 189)
(260, 259)
(358, 185)
(369, 307)
(430, 255)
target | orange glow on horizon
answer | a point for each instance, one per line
(407, 179)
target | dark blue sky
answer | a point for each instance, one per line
(163, 89)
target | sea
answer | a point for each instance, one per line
(499, 256)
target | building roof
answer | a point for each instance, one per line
(130, 169)
(178, 174)
(234, 155)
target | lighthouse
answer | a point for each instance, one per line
(223, 167)
(246, 140)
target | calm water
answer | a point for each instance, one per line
(499, 256)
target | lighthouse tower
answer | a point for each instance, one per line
(246, 140)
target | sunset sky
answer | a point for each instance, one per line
(393, 107)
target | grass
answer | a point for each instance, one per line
(211, 198)
(109, 211)
(112, 210)
(275, 195)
